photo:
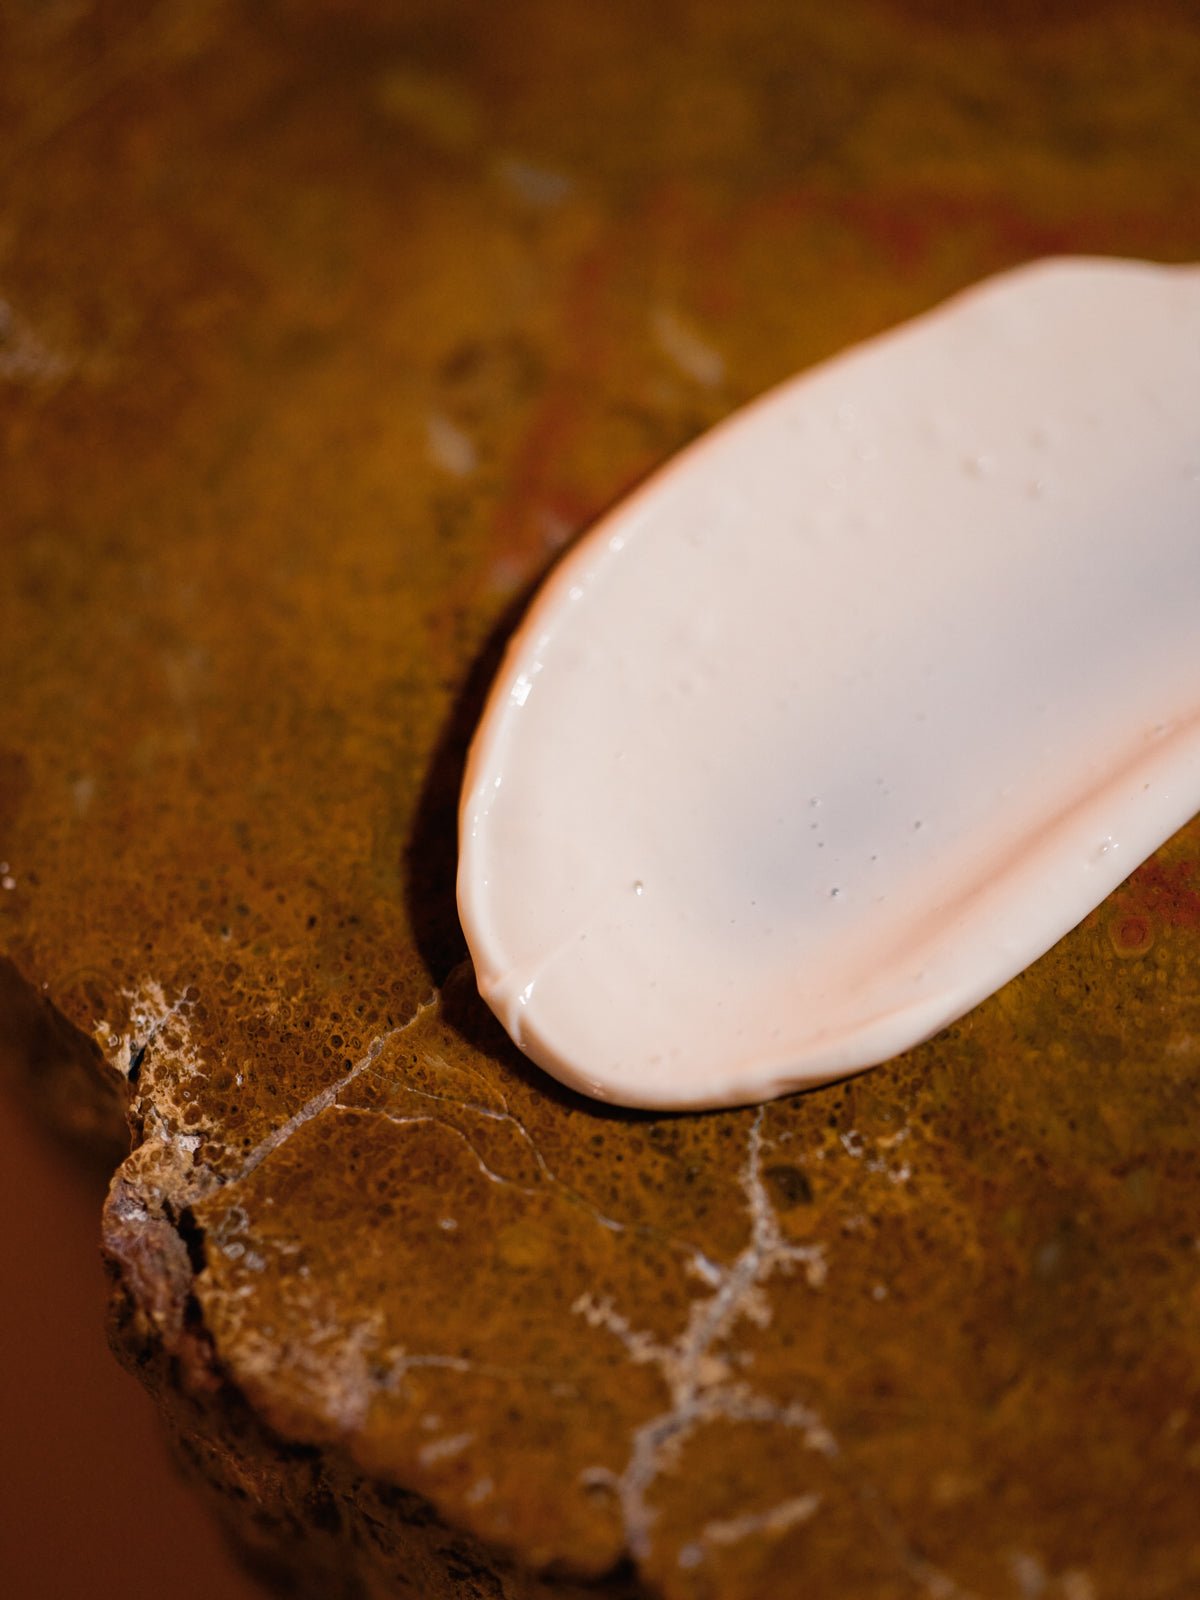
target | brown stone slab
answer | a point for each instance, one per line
(322, 330)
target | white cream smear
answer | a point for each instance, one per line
(857, 706)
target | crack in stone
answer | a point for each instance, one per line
(165, 1172)
(701, 1263)
(699, 1380)
(152, 1013)
(149, 1012)
(400, 1363)
(724, 1531)
(324, 1098)
(437, 1122)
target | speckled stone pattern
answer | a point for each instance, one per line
(322, 328)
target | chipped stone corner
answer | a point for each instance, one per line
(149, 1243)
(149, 1236)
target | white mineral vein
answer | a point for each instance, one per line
(326, 1097)
(698, 1376)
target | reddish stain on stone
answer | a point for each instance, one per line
(1167, 892)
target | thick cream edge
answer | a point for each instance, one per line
(856, 706)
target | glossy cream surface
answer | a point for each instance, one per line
(857, 706)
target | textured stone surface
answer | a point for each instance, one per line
(320, 333)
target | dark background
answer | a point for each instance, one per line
(90, 1503)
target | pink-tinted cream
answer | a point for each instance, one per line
(857, 706)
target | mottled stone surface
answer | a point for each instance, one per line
(320, 332)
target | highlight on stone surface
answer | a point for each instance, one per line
(858, 706)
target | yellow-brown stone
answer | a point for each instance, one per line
(322, 328)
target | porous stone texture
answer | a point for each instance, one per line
(321, 331)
